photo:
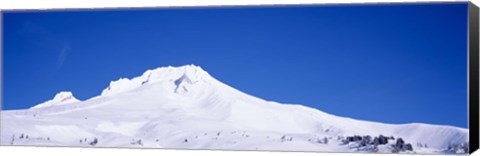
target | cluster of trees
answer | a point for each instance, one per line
(137, 142)
(364, 141)
(419, 144)
(368, 140)
(457, 148)
(285, 138)
(401, 146)
(323, 140)
(244, 134)
(25, 136)
(91, 143)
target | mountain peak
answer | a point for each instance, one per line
(61, 98)
(189, 70)
(189, 67)
(177, 75)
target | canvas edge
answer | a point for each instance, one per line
(473, 77)
(473, 59)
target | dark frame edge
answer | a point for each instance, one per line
(473, 46)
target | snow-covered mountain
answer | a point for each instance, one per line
(185, 107)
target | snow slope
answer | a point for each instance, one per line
(185, 107)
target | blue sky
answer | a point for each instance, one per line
(387, 63)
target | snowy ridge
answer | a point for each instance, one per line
(61, 98)
(184, 107)
(151, 76)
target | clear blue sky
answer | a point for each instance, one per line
(387, 63)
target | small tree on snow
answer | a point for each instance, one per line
(94, 142)
(13, 139)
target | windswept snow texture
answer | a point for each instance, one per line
(185, 108)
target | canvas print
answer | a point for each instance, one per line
(367, 78)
